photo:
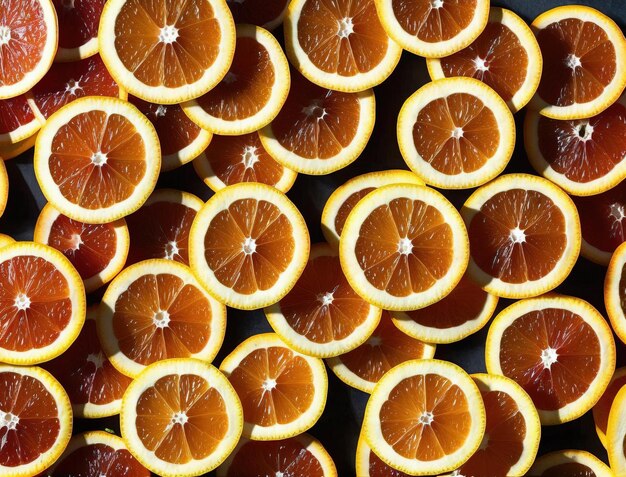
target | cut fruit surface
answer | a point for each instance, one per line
(616, 434)
(106, 171)
(403, 247)
(387, 347)
(603, 406)
(569, 463)
(248, 245)
(585, 52)
(97, 251)
(369, 464)
(181, 417)
(456, 133)
(265, 13)
(318, 130)
(421, 403)
(78, 28)
(156, 310)
(559, 349)
(340, 45)
(322, 315)
(282, 392)
(615, 292)
(252, 92)
(524, 235)
(11, 151)
(166, 52)
(17, 120)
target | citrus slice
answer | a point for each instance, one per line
(505, 56)
(181, 139)
(97, 453)
(252, 92)
(585, 54)
(387, 347)
(37, 420)
(299, 456)
(569, 463)
(340, 46)
(369, 464)
(166, 52)
(322, 315)
(17, 120)
(345, 197)
(28, 36)
(105, 171)
(524, 235)
(603, 406)
(6, 240)
(318, 130)
(403, 247)
(11, 151)
(464, 311)
(248, 245)
(181, 417)
(583, 156)
(558, 348)
(4, 186)
(160, 228)
(97, 251)
(616, 435)
(268, 14)
(614, 291)
(282, 392)
(425, 417)
(232, 159)
(456, 133)
(156, 310)
(78, 28)
(433, 28)
(42, 303)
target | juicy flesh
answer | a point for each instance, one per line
(377, 468)
(14, 112)
(97, 460)
(78, 24)
(347, 206)
(603, 407)
(569, 469)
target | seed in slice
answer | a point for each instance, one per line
(6, 240)
(558, 348)
(160, 228)
(10, 151)
(456, 133)
(340, 46)
(252, 92)
(425, 417)
(37, 420)
(166, 52)
(616, 434)
(4, 185)
(42, 303)
(181, 417)
(318, 130)
(524, 235)
(97, 251)
(266, 13)
(181, 139)
(298, 456)
(569, 463)
(78, 28)
(156, 310)
(615, 292)
(17, 120)
(369, 464)
(456, 316)
(249, 245)
(105, 171)
(603, 406)
(387, 347)
(585, 54)
(232, 159)
(403, 247)
(345, 197)
(28, 36)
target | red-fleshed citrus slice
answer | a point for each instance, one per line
(369, 464)
(615, 291)
(569, 463)
(17, 120)
(265, 13)
(603, 406)
(78, 28)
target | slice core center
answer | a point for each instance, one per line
(426, 418)
(75, 242)
(168, 34)
(549, 356)
(96, 359)
(457, 133)
(405, 246)
(572, 61)
(374, 340)
(346, 27)
(517, 235)
(171, 250)
(584, 131)
(98, 159)
(161, 319)
(249, 246)
(249, 157)
(326, 299)
(269, 384)
(179, 418)
(22, 302)
(5, 35)
(229, 78)
(436, 3)
(617, 212)
(8, 420)
(481, 64)
(72, 86)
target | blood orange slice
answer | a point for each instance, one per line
(17, 120)
(266, 13)
(603, 406)
(369, 464)
(615, 291)
(569, 463)
(78, 28)
(616, 434)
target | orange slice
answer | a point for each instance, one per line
(558, 348)
(586, 56)
(42, 303)
(456, 133)
(387, 347)
(232, 159)
(569, 463)
(369, 464)
(319, 131)
(6, 240)
(97, 251)
(282, 392)
(464, 311)
(11, 151)
(28, 36)
(603, 406)
(340, 45)
(36, 420)
(17, 120)
(78, 28)
(268, 14)
(156, 310)
(616, 435)
(614, 291)
(524, 235)
(248, 245)
(106, 171)
(181, 417)
(4, 185)
(252, 92)
(166, 52)
(322, 315)
(424, 417)
(403, 247)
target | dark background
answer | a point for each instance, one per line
(338, 428)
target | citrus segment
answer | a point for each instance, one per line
(603, 406)
(17, 120)
(615, 291)
(78, 28)
(268, 14)
(616, 434)
(369, 464)
(10, 151)
(569, 463)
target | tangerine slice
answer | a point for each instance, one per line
(369, 464)
(266, 13)
(17, 120)
(615, 291)
(558, 348)
(603, 406)
(569, 463)
(78, 28)
(11, 151)
(616, 435)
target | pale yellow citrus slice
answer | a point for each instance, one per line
(616, 434)
(569, 463)
(603, 407)
(614, 291)
(4, 186)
